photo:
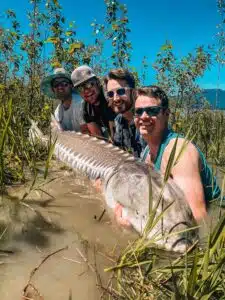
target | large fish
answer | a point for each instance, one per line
(126, 181)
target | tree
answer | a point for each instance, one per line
(178, 76)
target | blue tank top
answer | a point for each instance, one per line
(210, 186)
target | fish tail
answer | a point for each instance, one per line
(35, 134)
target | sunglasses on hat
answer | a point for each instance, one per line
(151, 111)
(87, 85)
(60, 83)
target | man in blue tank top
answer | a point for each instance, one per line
(191, 172)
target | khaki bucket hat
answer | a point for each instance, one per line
(46, 83)
(81, 75)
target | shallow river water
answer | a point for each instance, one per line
(44, 225)
(62, 216)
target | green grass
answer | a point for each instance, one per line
(147, 273)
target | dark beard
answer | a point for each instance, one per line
(126, 107)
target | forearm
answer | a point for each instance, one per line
(194, 194)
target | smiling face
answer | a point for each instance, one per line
(150, 121)
(62, 88)
(119, 95)
(90, 91)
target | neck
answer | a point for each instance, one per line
(128, 115)
(66, 102)
(154, 141)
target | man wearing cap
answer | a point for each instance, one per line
(97, 114)
(69, 113)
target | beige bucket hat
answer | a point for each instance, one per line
(46, 83)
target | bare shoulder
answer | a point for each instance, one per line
(186, 152)
(187, 147)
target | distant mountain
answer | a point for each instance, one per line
(216, 98)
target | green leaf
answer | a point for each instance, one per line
(192, 280)
(115, 26)
(56, 3)
(74, 47)
(69, 33)
(167, 46)
(170, 163)
(53, 40)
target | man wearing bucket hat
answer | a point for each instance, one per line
(69, 113)
(98, 116)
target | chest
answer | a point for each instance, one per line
(157, 159)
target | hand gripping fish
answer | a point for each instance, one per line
(137, 187)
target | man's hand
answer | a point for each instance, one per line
(94, 129)
(84, 129)
(118, 211)
(97, 183)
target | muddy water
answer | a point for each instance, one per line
(68, 216)
(62, 215)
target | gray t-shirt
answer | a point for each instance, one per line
(71, 118)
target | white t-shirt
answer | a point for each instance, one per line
(71, 118)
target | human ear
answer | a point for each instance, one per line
(167, 112)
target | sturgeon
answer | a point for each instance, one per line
(129, 182)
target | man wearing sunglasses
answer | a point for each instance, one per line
(119, 85)
(191, 172)
(68, 114)
(98, 116)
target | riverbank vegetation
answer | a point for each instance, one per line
(146, 273)
(26, 57)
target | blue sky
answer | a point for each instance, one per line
(187, 23)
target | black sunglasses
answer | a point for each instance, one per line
(87, 85)
(119, 92)
(61, 83)
(151, 111)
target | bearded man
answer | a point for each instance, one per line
(97, 114)
(119, 87)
